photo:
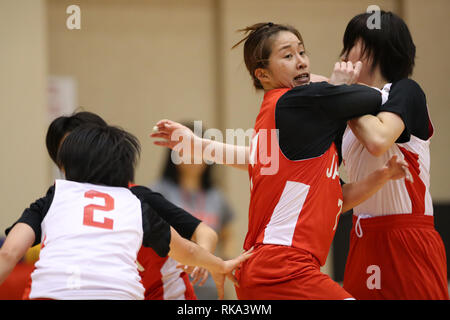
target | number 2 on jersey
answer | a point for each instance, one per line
(88, 219)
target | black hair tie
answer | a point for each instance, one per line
(269, 24)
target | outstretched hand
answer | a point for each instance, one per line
(171, 133)
(228, 271)
(397, 169)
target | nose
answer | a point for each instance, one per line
(302, 61)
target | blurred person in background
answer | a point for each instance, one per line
(191, 187)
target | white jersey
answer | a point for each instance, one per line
(398, 196)
(90, 238)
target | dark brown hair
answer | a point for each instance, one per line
(258, 45)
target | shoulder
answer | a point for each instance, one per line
(289, 97)
(407, 87)
(274, 94)
(407, 95)
(141, 191)
(407, 83)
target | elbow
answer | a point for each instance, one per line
(213, 236)
(377, 147)
(9, 256)
(205, 236)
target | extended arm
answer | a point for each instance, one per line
(357, 192)
(206, 238)
(181, 139)
(189, 253)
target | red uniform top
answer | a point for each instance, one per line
(294, 203)
(160, 277)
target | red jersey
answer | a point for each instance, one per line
(294, 203)
(161, 278)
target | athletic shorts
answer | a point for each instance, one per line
(276, 272)
(396, 257)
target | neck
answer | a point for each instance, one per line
(377, 80)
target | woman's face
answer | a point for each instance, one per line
(288, 63)
(356, 54)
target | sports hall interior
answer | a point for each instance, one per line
(135, 62)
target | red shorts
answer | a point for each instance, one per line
(396, 257)
(285, 273)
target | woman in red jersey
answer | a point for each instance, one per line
(395, 251)
(296, 195)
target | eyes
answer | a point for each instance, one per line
(302, 53)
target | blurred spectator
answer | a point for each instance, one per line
(190, 186)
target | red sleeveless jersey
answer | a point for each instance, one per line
(292, 203)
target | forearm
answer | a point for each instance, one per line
(7, 264)
(357, 192)
(224, 153)
(367, 130)
(205, 237)
(377, 133)
(189, 253)
(18, 241)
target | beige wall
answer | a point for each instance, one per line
(23, 102)
(429, 23)
(138, 61)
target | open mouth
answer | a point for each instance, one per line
(302, 78)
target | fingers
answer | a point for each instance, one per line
(187, 269)
(160, 135)
(220, 290)
(349, 67)
(233, 279)
(345, 72)
(205, 277)
(357, 71)
(195, 275)
(162, 143)
(400, 168)
(337, 66)
(409, 176)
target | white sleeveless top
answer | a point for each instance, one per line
(398, 196)
(90, 238)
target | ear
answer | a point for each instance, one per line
(262, 75)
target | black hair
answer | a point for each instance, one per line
(171, 172)
(65, 124)
(391, 46)
(104, 155)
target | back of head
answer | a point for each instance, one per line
(390, 46)
(65, 124)
(104, 155)
(258, 45)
